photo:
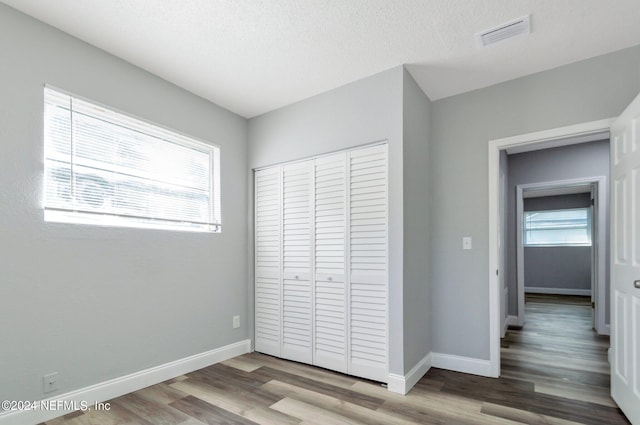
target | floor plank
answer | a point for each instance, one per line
(208, 413)
(341, 407)
(238, 403)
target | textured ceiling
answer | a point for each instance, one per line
(253, 56)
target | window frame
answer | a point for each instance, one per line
(115, 116)
(527, 244)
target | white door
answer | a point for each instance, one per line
(296, 261)
(368, 280)
(625, 267)
(268, 290)
(330, 320)
(321, 262)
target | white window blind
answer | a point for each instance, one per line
(104, 167)
(557, 227)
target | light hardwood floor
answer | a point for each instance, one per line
(554, 371)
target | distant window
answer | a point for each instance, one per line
(557, 227)
(106, 168)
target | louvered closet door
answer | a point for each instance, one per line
(296, 258)
(268, 294)
(368, 301)
(330, 335)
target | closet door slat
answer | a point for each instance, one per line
(297, 329)
(330, 331)
(268, 294)
(368, 253)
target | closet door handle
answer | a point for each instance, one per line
(297, 277)
(329, 278)
(637, 283)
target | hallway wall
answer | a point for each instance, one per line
(563, 163)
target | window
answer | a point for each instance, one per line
(557, 227)
(106, 168)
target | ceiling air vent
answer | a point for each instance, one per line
(520, 26)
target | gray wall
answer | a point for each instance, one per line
(461, 127)
(95, 303)
(558, 267)
(381, 107)
(417, 303)
(567, 162)
(362, 112)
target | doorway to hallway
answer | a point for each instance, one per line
(560, 355)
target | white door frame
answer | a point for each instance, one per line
(525, 142)
(598, 245)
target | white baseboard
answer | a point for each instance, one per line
(512, 320)
(461, 364)
(557, 291)
(402, 384)
(509, 321)
(112, 388)
(504, 307)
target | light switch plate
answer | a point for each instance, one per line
(466, 242)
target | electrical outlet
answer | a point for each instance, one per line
(236, 322)
(466, 242)
(50, 382)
